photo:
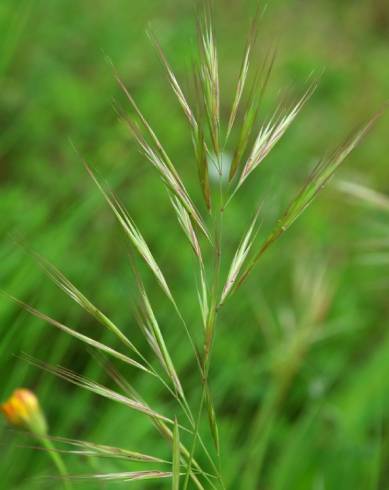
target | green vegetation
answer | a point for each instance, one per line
(293, 388)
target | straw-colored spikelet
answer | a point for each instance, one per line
(22, 409)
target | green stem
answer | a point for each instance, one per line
(192, 450)
(212, 319)
(58, 462)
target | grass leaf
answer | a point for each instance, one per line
(76, 295)
(124, 476)
(244, 70)
(271, 133)
(86, 448)
(186, 225)
(239, 259)
(196, 126)
(153, 332)
(98, 389)
(317, 180)
(209, 76)
(160, 160)
(173, 82)
(134, 235)
(251, 112)
(83, 338)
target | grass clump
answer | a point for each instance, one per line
(194, 463)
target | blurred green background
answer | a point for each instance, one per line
(57, 88)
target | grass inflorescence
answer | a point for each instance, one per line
(193, 463)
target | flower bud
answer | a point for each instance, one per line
(22, 409)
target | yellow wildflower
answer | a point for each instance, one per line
(22, 409)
